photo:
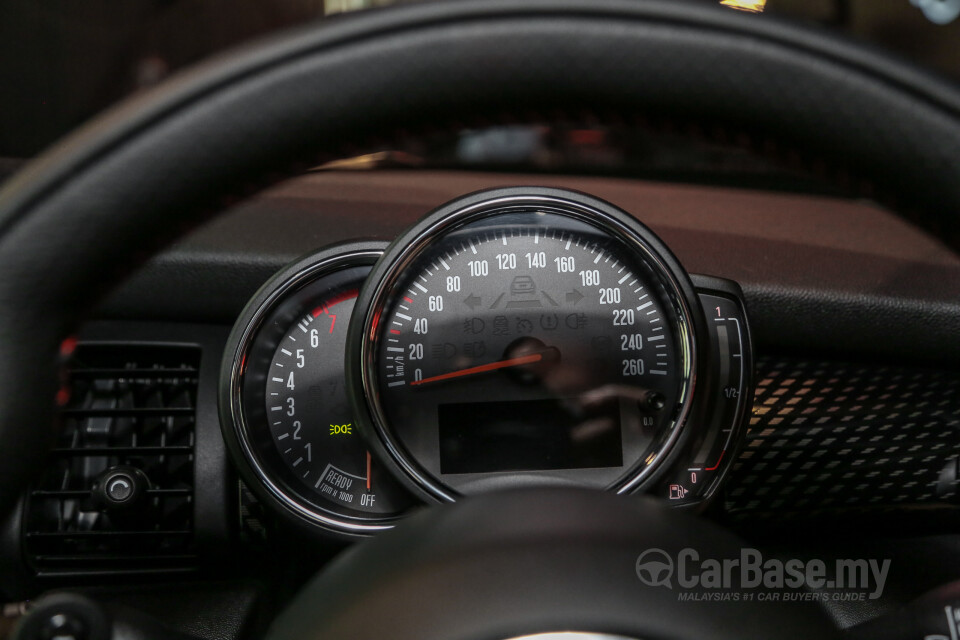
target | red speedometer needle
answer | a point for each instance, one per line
(493, 366)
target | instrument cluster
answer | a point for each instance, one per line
(513, 337)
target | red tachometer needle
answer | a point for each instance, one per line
(493, 366)
(368, 471)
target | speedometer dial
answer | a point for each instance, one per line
(526, 337)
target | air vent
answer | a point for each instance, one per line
(118, 493)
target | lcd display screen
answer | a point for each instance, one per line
(532, 435)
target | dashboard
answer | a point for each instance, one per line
(763, 418)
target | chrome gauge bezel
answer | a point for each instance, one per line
(405, 251)
(236, 428)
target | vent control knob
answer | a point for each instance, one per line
(120, 487)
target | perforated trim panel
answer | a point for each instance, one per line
(828, 435)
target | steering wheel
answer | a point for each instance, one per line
(82, 216)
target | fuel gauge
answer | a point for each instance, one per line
(710, 455)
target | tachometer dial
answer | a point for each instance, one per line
(285, 397)
(527, 336)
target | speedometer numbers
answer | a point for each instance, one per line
(287, 416)
(527, 336)
(553, 343)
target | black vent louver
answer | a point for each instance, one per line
(130, 406)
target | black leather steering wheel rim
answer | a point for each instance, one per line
(78, 219)
(524, 562)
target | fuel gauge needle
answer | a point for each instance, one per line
(483, 368)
